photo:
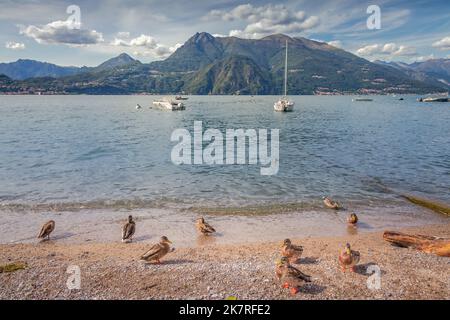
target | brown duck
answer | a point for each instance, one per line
(157, 251)
(329, 203)
(348, 258)
(289, 276)
(203, 227)
(46, 229)
(352, 219)
(291, 251)
(128, 230)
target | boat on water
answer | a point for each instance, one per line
(362, 99)
(435, 99)
(284, 104)
(181, 98)
(169, 104)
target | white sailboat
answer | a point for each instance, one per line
(169, 104)
(284, 104)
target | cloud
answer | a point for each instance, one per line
(265, 20)
(443, 44)
(335, 43)
(15, 45)
(62, 32)
(424, 58)
(388, 49)
(144, 45)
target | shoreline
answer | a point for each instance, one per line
(217, 271)
(234, 225)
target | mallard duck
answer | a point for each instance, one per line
(157, 251)
(352, 218)
(330, 203)
(290, 277)
(203, 227)
(348, 258)
(46, 229)
(128, 230)
(291, 251)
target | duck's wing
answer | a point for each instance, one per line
(128, 230)
(299, 275)
(46, 229)
(356, 256)
(208, 228)
(297, 248)
(153, 252)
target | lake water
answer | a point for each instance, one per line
(97, 156)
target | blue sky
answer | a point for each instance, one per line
(152, 29)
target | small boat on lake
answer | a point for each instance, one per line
(362, 99)
(169, 104)
(181, 98)
(284, 104)
(435, 99)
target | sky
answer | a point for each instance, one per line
(89, 32)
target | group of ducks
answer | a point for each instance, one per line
(155, 253)
(289, 276)
(292, 278)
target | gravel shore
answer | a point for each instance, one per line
(113, 270)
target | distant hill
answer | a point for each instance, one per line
(228, 65)
(121, 60)
(24, 69)
(433, 71)
(435, 68)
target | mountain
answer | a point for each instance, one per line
(23, 69)
(230, 65)
(435, 68)
(121, 60)
(433, 71)
(232, 75)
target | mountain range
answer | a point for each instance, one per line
(228, 65)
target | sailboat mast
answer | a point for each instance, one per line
(285, 70)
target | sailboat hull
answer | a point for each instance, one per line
(283, 106)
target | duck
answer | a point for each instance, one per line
(348, 258)
(128, 230)
(203, 227)
(158, 251)
(291, 251)
(46, 229)
(352, 219)
(290, 277)
(138, 107)
(330, 203)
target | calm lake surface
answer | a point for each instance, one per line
(89, 155)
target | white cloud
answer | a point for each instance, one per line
(144, 45)
(443, 44)
(15, 45)
(62, 32)
(266, 20)
(424, 58)
(388, 50)
(336, 43)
